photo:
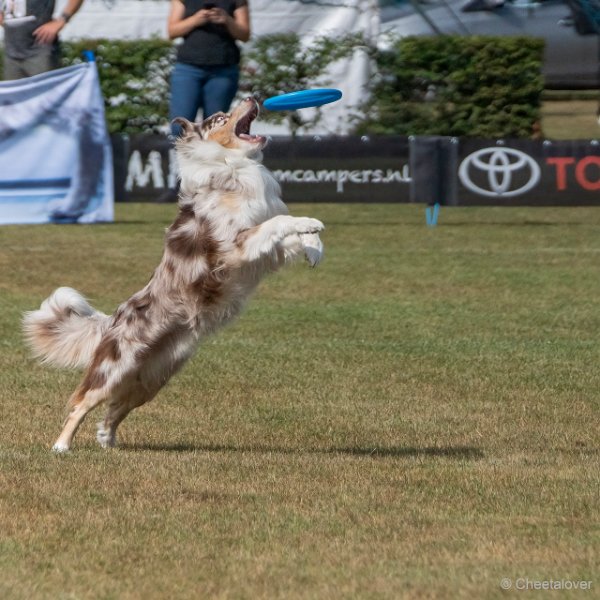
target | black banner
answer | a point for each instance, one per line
(348, 169)
(527, 172)
(426, 169)
(150, 168)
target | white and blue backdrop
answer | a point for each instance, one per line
(55, 152)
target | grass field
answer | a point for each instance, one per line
(417, 418)
(570, 119)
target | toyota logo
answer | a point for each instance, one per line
(502, 166)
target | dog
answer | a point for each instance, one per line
(232, 229)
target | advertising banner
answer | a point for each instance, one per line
(527, 172)
(150, 167)
(349, 169)
(420, 169)
(56, 162)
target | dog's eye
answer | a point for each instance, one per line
(221, 120)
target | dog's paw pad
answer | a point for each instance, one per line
(313, 248)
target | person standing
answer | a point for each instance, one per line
(31, 44)
(206, 72)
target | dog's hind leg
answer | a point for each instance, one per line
(119, 407)
(102, 380)
(142, 385)
(82, 402)
(106, 433)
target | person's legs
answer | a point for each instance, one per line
(186, 97)
(13, 69)
(46, 58)
(186, 93)
(220, 89)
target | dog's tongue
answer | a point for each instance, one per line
(243, 126)
(251, 138)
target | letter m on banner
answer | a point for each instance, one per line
(55, 152)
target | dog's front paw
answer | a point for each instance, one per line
(307, 225)
(313, 248)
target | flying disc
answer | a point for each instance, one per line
(302, 99)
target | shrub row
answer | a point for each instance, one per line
(445, 85)
(134, 76)
(458, 86)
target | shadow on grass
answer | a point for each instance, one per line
(456, 452)
(476, 223)
(127, 223)
(473, 223)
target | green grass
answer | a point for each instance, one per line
(570, 119)
(417, 418)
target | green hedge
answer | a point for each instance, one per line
(457, 86)
(134, 76)
(445, 85)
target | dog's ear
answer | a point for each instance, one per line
(187, 128)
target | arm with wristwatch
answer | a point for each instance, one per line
(48, 32)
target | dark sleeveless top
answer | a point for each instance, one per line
(210, 45)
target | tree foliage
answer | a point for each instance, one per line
(458, 86)
(134, 77)
(283, 63)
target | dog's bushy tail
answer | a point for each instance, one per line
(66, 330)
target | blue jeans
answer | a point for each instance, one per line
(208, 88)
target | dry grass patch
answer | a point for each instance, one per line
(417, 418)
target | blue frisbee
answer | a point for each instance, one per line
(302, 99)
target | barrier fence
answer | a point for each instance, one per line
(423, 169)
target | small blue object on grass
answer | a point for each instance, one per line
(89, 55)
(302, 99)
(431, 214)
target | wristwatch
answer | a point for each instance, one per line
(65, 17)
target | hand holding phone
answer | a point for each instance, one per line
(203, 15)
(217, 14)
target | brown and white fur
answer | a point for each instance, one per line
(232, 229)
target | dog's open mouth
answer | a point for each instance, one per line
(242, 127)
